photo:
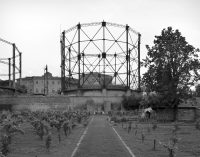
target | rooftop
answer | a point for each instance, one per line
(48, 74)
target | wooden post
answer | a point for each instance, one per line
(154, 144)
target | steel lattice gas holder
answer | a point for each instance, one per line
(100, 55)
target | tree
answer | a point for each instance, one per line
(197, 90)
(172, 66)
(4, 83)
(131, 102)
(150, 99)
(21, 88)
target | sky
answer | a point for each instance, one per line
(35, 25)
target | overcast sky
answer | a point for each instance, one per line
(35, 25)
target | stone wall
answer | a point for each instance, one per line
(24, 101)
(60, 101)
(186, 114)
(165, 114)
(108, 100)
(198, 113)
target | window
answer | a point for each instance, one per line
(36, 90)
(36, 82)
(52, 82)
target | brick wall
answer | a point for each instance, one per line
(56, 101)
(197, 113)
(165, 114)
(186, 114)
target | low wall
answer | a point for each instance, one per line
(93, 103)
(61, 101)
(186, 114)
(95, 98)
(198, 113)
(165, 114)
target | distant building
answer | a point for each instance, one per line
(46, 84)
(50, 85)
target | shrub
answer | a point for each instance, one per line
(114, 119)
(48, 141)
(5, 144)
(154, 126)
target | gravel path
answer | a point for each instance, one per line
(100, 140)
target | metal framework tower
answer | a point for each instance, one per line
(14, 64)
(100, 55)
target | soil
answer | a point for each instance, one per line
(101, 141)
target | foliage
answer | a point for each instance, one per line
(172, 67)
(131, 102)
(172, 145)
(43, 121)
(41, 128)
(21, 88)
(5, 144)
(150, 99)
(10, 125)
(154, 125)
(176, 128)
(67, 127)
(1, 155)
(114, 119)
(4, 83)
(197, 90)
(48, 141)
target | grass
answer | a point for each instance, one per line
(187, 146)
